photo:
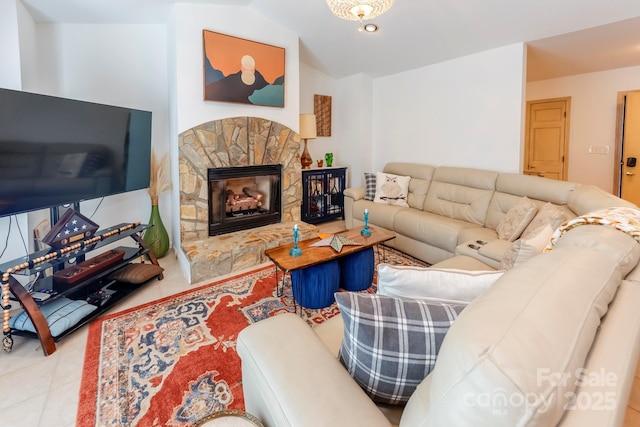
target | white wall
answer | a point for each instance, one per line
(9, 45)
(13, 230)
(464, 112)
(354, 121)
(314, 82)
(27, 29)
(351, 114)
(593, 119)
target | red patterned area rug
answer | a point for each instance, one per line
(173, 361)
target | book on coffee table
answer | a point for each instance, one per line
(337, 242)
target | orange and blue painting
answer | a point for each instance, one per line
(243, 71)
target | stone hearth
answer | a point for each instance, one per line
(237, 141)
(219, 255)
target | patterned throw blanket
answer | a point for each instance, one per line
(625, 219)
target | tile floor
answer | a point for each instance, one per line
(39, 391)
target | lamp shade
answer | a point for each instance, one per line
(308, 126)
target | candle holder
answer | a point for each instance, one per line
(365, 231)
(295, 250)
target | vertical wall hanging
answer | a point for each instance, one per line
(322, 110)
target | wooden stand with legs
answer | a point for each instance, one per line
(43, 260)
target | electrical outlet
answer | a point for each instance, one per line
(598, 149)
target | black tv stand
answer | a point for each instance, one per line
(95, 286)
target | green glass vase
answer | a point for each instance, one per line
(156, 237)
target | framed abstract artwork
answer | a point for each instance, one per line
(242, 71)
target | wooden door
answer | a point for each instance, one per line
(547, 138)
(630, 172)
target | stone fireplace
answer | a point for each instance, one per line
(243, 197)
(231, 143)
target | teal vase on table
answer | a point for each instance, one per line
(156, 237)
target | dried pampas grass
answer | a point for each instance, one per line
(160, 176)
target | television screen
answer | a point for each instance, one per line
(55, 151)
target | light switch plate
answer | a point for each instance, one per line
(598, 149)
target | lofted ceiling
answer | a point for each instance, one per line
(564, 37)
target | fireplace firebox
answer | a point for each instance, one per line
(244, 197)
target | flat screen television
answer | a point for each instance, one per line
(56, 151)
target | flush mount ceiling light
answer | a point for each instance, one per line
(359, 10)
(370, 28)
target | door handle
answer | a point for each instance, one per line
(629, 173)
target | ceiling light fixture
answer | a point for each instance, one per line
(359, 10)
(370, 28)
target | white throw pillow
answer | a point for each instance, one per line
(523, 249)
(392, 189)
(442, 284)
(516, 219)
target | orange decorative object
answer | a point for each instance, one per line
(306, 159)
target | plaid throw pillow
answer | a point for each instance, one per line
(390, 344)
(370, 185)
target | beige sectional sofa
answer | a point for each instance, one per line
(554, 341)
(451, 208)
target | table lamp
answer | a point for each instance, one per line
(307, 131)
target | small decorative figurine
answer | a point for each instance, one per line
(329, 159)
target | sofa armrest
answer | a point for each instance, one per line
(609, 369)
(354, 193)
(351, 195)
(290, 378)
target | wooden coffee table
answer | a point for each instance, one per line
(315, 269)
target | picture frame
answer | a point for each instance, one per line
(242, 71)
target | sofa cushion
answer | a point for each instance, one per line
(446, 285)
(461, 193)
(539, 321)
(549, 215)
(379, 215)
(523, 249)
(414, 170)
(392, 189)
(535, 187)
(463, 262)
(369, 185)
(589, 198)
(433, 229)
(510, 187)
(417, 192)
(516, 219)
(458, 202)
(390, 344)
